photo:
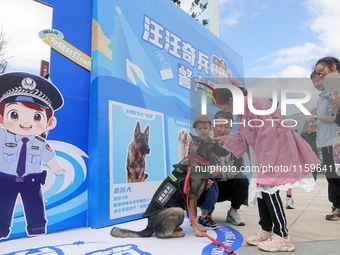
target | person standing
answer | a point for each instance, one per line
(270, 146)
(325, 130)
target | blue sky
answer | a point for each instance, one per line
(258, 30)
(279, 38)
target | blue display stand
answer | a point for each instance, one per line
(145, 54)
(143, 65)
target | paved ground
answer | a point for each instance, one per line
(311, 233)
(308, 228)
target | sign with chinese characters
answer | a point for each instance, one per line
(127, 127)
(59, 198)
(55, 39)
(141, 83)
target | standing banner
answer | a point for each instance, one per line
(144, 55)
(60, 201)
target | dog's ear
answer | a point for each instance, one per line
(179, 135)
(137, 129)
(147, 131)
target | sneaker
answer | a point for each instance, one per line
(260, 236)
(276, 243)
(207, 222)
(334, 216)
(234, 218)
(289, 203)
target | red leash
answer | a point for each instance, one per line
(186, 191)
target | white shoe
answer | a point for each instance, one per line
(289, 203)
(234, 218)
(277, 243)
(260, 236)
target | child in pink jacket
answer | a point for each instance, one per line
(283, 160)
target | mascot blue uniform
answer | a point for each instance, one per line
(22, 156)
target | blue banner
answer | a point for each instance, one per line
(143, 65)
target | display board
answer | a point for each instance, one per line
(64, 195)
(124, 72)
(141, 81)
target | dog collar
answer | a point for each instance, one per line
(198, 160)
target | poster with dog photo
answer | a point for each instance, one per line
(137, 158)
(178, 140)
(137, 144)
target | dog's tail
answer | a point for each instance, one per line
(126, 233)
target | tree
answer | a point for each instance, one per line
(3, 44)
(196, 10)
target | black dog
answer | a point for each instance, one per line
(165, 213)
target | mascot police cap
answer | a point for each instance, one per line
(27, 87)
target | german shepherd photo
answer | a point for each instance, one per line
(137, 151)
(165, 212)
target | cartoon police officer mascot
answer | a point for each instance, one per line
(27, 104)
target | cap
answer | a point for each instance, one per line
(27, 87)
(201, 118)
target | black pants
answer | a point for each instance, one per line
(272, 214)
(234, 190)
(332, 178)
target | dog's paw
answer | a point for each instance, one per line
(199, 232)
(178, 234)
(178, 229)
(203, 229)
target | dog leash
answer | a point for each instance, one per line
(186, 191)
(201, 161)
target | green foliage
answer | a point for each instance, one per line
(196, 10)
(178, 2)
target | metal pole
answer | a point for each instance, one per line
(213, 17)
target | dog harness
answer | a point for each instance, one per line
(169, 194)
